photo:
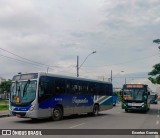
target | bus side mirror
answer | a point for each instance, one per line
(145, 97)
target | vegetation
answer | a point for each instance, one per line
(155, 73)
(5, 86)
(4, 105)
(157, 41)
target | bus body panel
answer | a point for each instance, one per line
(73, 105)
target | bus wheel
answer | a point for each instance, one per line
(57, 113)
(96, 110)
(126, 110)
(34, 119)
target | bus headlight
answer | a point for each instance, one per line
(31, 108)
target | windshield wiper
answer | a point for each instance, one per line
(25, 87)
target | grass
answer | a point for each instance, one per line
(4, 104)
(4, 107)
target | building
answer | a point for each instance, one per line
(2, 79)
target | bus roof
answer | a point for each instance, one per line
(62, 76)
(70, 77)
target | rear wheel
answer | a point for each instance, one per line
(57, 113)
(34, 119)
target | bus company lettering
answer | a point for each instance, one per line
(79, 101)
(58, 99)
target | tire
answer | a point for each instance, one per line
(57, 114)
(126, 110)
(96, 110)
(34, 119)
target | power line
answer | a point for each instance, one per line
(21, 61)
(35, 62)
(25, 62)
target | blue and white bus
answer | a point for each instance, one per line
(45, 95)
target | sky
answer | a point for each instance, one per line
(38, 35)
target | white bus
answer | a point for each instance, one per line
(44, 95)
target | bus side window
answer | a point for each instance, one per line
(74, 86)
(85, 88)
(59, 86)
(45, 86)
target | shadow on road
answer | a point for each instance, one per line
(38, 121)
(149, 112)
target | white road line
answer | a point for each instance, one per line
(156, 136)
(77, 125)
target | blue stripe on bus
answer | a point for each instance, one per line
(67, 100)
(22, 108)
(109, 101)
(71, 101)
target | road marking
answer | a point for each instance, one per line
(157, 122)
(77, 125)
(156, 136)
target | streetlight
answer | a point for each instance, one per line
(115, 75)
(78, 67)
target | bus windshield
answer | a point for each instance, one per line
(23, 91)
(153, 97)
(134, 94)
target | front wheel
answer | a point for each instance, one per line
(96, 110)
(57, 113)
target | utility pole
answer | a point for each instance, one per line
(77, 66)
(111, 76)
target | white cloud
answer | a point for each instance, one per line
(54, 32)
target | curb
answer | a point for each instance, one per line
(4, 115)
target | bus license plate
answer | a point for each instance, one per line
(18, 115)
(132, 104)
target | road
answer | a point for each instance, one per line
(115, 118)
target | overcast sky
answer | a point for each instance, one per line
(54, 32)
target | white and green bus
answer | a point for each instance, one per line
(136, 97)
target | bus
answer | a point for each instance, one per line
(44, 95)
(115, 98)
(154, 97)
(136, 97)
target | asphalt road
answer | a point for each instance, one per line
(115, 118)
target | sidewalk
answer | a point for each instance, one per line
(4, 113)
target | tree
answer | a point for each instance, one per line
(155, 73)
(157, 41)
(5, 86)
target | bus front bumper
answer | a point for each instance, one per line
(143, 107)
